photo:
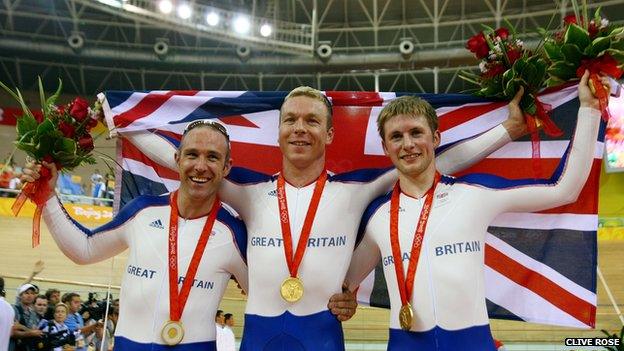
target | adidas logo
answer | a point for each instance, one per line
(273, 192)
(157, 224)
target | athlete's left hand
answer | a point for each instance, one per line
(343, 305)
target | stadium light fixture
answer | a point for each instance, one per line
(212, 18)
(242, 24)
(266, 30)
(165, 6)
(185, 11)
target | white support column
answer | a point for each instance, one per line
(436, 83)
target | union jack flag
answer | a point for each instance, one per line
(540, 267)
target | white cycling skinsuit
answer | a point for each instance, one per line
(143, 227)
(270, 322)
(448, 296)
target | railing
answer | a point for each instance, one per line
(78, 199)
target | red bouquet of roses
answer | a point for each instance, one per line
(505, 66)
(586, 44)
(61, 134)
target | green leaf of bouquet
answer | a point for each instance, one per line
(46, 127)
(577, 36)
(66, 145)
(553, 81)
(599, 45)
(553, 51)
(527, 104)
(617, 44)
(562, 70)
(42, 98)
(571, 54)
(22, 103)
(617, 54)
(26, 124)
(29, 148)
(45, 145)
(52, 99)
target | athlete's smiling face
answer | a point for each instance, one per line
(303, 131)
(202, 163)
(410, 143)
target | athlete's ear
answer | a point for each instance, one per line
(227, 167)
(436, 139)
(330, 135)
(385, 149)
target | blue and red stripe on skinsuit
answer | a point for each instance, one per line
(316, 332)
(477, 338)
(124, 344)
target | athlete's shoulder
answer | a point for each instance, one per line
(370, 211)
(245, 176)
(364, 175)
(229, 217)
(133, 208)
(491, 181)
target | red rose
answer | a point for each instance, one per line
(85, 142)
(79, 109)
(593, 29)
(477, 45)
(502, 32)
(38, 116)
(91, 123)
(569, 19)
(494, 70)
(513, 55)
(67, 129)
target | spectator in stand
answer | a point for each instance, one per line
(41, 306)
(54, 297)
(106, 335)
(37, 268)
(219, 325)
(58, 334)
(228, 341)
(499, 345)
(25, 332)
(15, 184)
(75, 322)
(7, 316)
(96, 178)
(5, 179)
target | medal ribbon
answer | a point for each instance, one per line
(178, 301)
(294, 262)
(406, 284)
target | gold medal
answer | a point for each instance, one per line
(172, 333)
(292, 289)
(406, 315)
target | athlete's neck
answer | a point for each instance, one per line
(191, 208)
(302, 175)
(416, 185)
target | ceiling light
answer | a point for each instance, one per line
(266, 30)
(184, 11)
(212, 19)
(241, 24)
(165, 6)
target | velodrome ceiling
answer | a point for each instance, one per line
(114, 44)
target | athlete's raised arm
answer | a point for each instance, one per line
(78, 243)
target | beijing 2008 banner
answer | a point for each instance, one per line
(540, 267)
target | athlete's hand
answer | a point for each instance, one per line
(31, 172)
(343, 305)
(586, 95)
(515, 124)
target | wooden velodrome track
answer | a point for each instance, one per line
(368, 325)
